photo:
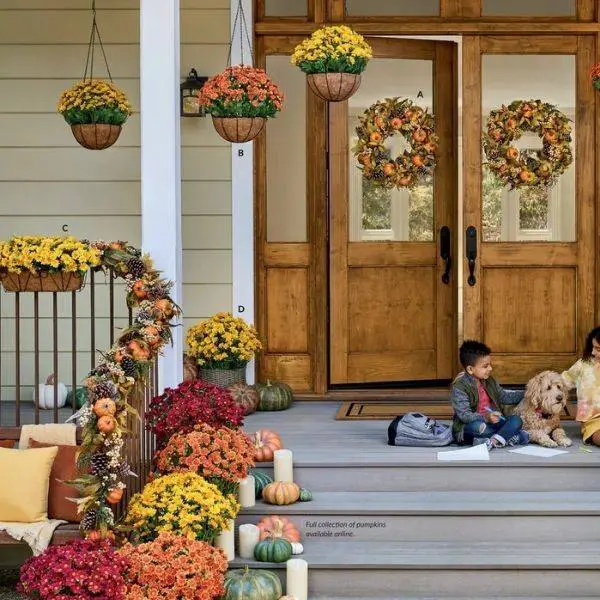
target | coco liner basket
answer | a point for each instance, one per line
(238, 129)
(42, 281)
(96, 136)
(334, 87)
(223, 377)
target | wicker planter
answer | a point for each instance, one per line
(96, 136)
(42, 282)
(239, 129)
(223, 377)
(334, 87)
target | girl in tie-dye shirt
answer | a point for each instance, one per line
(585, 376)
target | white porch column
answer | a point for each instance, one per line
(161, 158)
(242, 195)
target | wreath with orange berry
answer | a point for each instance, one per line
(527, 168)
(385, 119)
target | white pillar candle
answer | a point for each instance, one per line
(283, 465)
(297, 578)
(246, 493)
(248, 537)
(226, 541)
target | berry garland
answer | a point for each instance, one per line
(384, 119)
(527, 168)
(104, 417)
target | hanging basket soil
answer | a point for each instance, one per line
(42, 282)
(96, 136)
(334, 87)
(239, 129)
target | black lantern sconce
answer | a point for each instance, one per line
(189, 102)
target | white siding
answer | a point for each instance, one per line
(48, 181)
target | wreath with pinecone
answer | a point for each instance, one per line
(527, 168)
(384, 119)
(104, 417)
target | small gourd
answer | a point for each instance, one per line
(252, 584)
(275, 550)
(105, 406)
(281, 492)
(305, 495)
(297, 548)
(261, 479)
(274, 395)
(106, 424)
(46, 393)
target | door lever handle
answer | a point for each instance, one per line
(445, 255)
(471, 253)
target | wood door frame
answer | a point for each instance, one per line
(573, 254)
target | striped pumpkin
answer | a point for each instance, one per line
(252, 584)
(261, 479)
(274, 395)
(281, 492)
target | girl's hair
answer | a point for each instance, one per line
(593, 335)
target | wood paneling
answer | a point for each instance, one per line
(287, 255)
(391, 366)
(373, 254)
(517, 368)
(538, 253)
(294, 369)
(287, 310)
(550, 44)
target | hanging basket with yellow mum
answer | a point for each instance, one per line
(95, 109)
(333, 59)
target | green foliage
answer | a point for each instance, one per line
(340, 64)
(242, 108)
(106, 116)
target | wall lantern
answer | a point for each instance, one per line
(188, 93)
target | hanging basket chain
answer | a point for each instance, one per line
(240, 19)
(94, 35)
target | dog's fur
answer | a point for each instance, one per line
(545, 398)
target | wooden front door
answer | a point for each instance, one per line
(392, 311)
(530, 292)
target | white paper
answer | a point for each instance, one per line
(479, 452)
(538, 451)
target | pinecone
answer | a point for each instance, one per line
(128, 366)
(104, 389)
(89, 520)
(123, 471)
(145, 315)
(136, 267)
(99, 464)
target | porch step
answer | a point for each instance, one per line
(439, 516)
(444, 570)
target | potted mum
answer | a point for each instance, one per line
(595, 76)
(95, 109)
(223, 345)
(333, 59)
(240, 100)
(46, 264)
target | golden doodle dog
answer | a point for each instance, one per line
(545, 398)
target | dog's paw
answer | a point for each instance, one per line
(565, 442)
(548, 443)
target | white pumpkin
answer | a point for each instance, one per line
(297, 548)
(46, 393)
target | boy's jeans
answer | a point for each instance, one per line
(505, 427)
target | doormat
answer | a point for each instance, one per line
(373, 410)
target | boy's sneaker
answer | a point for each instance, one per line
(487, 441)
(519, 439)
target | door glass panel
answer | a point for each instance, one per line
(519, 8)
(392, 7)
(286, 8)
(286, 156)
(529, 214)
(377, 214)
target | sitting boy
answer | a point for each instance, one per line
(478, 402)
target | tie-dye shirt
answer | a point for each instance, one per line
(585, 376)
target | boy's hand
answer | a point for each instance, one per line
(492, 417)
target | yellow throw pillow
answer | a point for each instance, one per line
(24, 482)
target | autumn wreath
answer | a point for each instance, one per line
(527, 168)
(384, 119)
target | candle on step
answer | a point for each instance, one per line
(246, 492)
(297, 578)
(283, 466)
(248, 535)
(225, 540)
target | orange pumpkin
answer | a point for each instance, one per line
(164, 308)
(418, 160)
(114, 496)
(138, 350)
(274, 526)
(139, 290)
(95, 535)
(375, 137)
(281, 492)
(389, 168)
(512, 152)
(419, 135)
(119, 356)
(104, 407)
(396, 123)
(106, 424)
(265, 444)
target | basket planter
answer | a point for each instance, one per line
(96, 136)
(223, 377)
(334, 87)
(239, 129)
(26, 281)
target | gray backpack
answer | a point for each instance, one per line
(415, 429)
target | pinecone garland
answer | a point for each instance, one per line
(136, 267)
(104, 389)
(123, 470)
(89, 520)
(99, 464)
(128, 366)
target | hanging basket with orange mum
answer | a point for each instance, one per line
(384, 119)
(529, 167)
(595, 76)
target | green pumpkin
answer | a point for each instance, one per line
(274, 395)
(261, 479)
(276, 550)
(305, 495)
(81, 396)
(252, 584)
